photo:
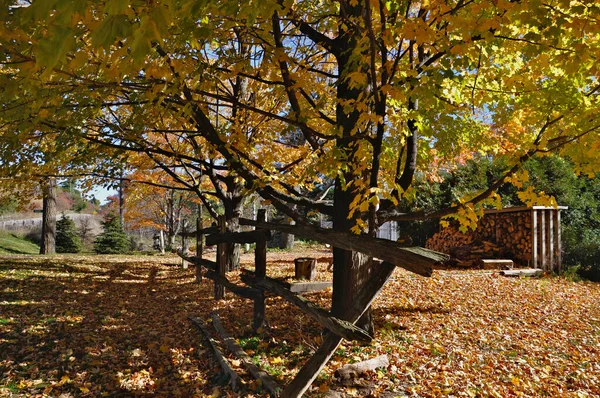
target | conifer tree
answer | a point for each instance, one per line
(113, 239)
(67, 240)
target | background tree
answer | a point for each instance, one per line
(113, 239)
(48, 241)
(67, 239)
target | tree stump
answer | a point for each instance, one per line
(305, 268)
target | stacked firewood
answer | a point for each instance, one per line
(499, 235)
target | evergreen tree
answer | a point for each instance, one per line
(67, 240)
(113, 239)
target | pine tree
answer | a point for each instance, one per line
(67, 240)
(113, 239)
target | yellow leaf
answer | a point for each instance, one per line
(164, 348)
(516, 381)
(276, 360)
(84, 390)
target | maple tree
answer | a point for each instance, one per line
(285, 94)
(163, 208)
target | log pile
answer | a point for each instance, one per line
(498, 235)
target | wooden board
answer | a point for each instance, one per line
(415, 259)
(266, 381)
(306, 287)
(523, 272)
(313, 366)
(497, 264)
(338, 326)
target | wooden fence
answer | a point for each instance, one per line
(391, 254)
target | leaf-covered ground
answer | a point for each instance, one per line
(117, 326)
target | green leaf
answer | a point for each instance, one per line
(55, 47)
(115, 7)
(113, 27)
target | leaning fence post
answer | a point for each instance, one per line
(260, 270)
(221, 260)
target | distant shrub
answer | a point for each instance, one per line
(113, 239)
(67, 239)
(582, 249)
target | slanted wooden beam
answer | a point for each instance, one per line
(313, 366)
(212, 265)
(415, 259)
(210, 273)
(233, 376)
(203, 231)
(238, 237)
(338, 326)
(267, 382)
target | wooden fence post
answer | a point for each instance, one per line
(260, 270)
(199, 245)
(221, 261)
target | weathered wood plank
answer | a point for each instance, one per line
(320, 315)
(306, 287)
(267, 381)
(212, 265)
(242, 291)
(233, 376)
(415, 259)
(338, 326)
(313, 366)
(523, 272)
(238, 237)
(210, 273)
(497, 264)
(203, 231)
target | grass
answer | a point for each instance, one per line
(14, 244)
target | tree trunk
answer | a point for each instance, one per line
(162, 241)
(122, 200)
(233, 249)
(287, 240)
(47, 245)
(233, 205)
(350, 269)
